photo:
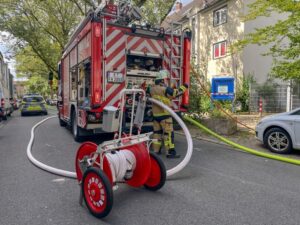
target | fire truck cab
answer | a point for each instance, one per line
(105, 55)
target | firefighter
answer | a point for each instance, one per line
(162, 120)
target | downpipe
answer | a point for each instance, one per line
(70, 174)
(241, 147)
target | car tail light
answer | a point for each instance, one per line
(2, 102)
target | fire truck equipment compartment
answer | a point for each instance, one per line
(110, 119)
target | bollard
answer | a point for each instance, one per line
(260, 106)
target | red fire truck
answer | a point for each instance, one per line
(105, 55)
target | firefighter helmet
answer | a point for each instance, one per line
(162, 74)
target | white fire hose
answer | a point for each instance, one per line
(188, 136)
(70, 174)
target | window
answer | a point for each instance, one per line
(220, 16)
(296, 113)
(220, 49)
(33, 99)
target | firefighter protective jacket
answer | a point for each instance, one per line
(165, 95)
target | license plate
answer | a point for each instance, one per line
(34, 108)
(115, 77)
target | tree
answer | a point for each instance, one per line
(283, 36)
(155, 11)
(44, 26)
(39, 85)
(29, 65)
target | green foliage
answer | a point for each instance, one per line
(284, 35)
(243, 93)
(39, 85)
(267, 92)
(199, 101)
(155, 11)
(205, 103)
(28, 64)
(195, 96)
(41, 26)
(267, 89)
(44, 27)
(40, 29)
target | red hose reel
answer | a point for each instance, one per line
(95, 171)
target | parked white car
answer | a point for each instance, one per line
(280, 133)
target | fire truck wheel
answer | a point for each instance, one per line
(75, 128)
(97, 192)
(61, 122)
(158, 174)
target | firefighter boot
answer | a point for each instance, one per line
(172, 154)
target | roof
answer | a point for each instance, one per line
(182, 14)
(177, 16)
(211, 3)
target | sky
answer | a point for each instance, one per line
(184, 2)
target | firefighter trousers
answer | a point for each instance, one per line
(163, 132)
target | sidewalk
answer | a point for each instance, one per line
(242, 137)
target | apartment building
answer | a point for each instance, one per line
(6, 79)
(216, 25)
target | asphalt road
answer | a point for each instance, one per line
(219, 186)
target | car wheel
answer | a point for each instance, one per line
(4, 117)
(277, 140)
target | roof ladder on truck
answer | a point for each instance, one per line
(104, 25)
(176, 68)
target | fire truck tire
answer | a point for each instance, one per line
(97, 192)
(158, 174)
(75, 129)
(61, 122)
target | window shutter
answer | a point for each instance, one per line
(216, 18)
(223, 48)
(224, 16)
(217, 51)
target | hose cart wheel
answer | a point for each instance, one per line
(85, 150)
(157, 177)
(97, 192)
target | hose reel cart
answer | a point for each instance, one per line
(126, 159)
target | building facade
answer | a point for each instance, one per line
(216, 26)
(5, 78)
